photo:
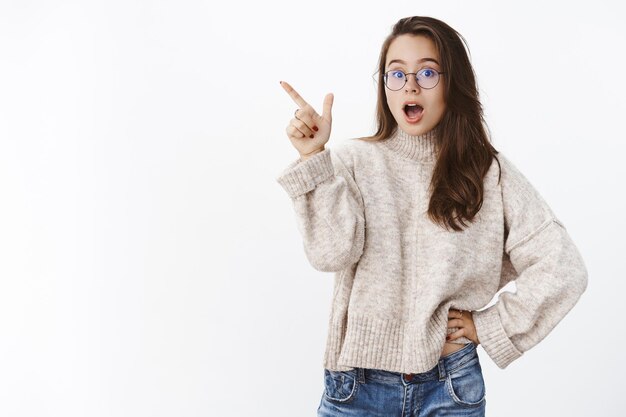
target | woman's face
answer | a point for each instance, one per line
(411, 53)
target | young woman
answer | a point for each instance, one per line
(423, 223)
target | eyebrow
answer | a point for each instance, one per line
(419, 61)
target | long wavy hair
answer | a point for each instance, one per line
(465, 152)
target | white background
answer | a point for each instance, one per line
(150, 265)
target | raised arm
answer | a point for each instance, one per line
(329, 210)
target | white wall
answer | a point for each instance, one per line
(150, 265)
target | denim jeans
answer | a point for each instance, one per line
(453, 387)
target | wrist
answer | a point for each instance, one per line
(304, 157)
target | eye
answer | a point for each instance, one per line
(397, 74)
(427, 72)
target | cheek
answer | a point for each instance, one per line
(389, 99)
(390, 102)
(441, 106)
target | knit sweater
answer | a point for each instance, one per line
(361, 209)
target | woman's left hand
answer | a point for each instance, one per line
(465, 322)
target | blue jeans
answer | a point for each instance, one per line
(453, 387)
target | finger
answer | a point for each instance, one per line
(453, 314)
(457, 314)
(328, 106)
(455, 323)
(302, 127)
(294, 94)
(298, 133)
(455, 335)
(293, 132)
(307, 118)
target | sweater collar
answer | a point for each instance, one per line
(422, 147)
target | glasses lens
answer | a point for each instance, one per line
(395, 80)
(427, 78)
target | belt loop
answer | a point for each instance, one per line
(361, 374)
(442, 369)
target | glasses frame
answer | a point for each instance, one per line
(406, 78)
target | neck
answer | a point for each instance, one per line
(422, 147)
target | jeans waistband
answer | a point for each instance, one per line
(444, 366)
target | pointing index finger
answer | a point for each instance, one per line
(294, 95)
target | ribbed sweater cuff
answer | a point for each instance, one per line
(493, 338)
(301, 177)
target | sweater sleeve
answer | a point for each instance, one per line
(546, 266)
(329, 209)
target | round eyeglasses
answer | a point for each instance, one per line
(426, 78)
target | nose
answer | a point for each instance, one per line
(411, 83)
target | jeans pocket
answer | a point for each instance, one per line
(340, 386)
(466, 385)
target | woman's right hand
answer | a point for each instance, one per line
(308, 131)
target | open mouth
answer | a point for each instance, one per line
(413, 111)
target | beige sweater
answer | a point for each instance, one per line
(361, 207)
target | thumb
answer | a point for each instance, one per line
(328, 105)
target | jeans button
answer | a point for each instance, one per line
(408, 377)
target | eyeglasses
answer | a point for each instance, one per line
(426, 78)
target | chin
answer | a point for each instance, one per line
(423, 126)
(415, 130)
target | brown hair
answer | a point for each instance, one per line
(465, 152)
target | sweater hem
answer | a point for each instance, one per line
(389, 344)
